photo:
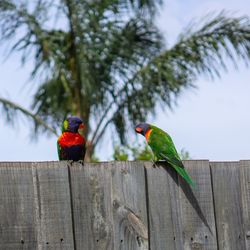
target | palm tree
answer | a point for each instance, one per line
(108, 63)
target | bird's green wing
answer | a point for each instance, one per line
(178, 166)
(59, 151)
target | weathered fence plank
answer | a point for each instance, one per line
(129, 206)
(245, 188)
(52, 206)
(181, 217)
(197, 208)
(91, 187)
(163, 208)
(35, 206)
(17, 215)
(109, 206)
(228, 205)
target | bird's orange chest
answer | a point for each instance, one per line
(147, 134)
(68, 139)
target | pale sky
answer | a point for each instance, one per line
(211, 122)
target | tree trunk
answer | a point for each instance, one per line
(85, 116)
(89, 152)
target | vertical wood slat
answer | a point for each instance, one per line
(109, 206)
(129, 206)
(228, 205)
(52, 206)
(163, 208)
(245, 196)
(35, 208)
(197, 208)
(174, 222)
(91, 187)
(17, 215)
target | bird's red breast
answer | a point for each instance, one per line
(68, 139)
(147, 134)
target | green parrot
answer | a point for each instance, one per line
(163, 148)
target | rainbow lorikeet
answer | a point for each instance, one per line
(70, 144)
(163, 148)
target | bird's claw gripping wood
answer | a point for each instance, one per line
(81, 162)
(154, 165)
(70, 162)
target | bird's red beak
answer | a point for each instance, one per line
(81, 126)
(138, 130)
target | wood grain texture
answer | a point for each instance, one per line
(228, 205)
(163, 208)
(109, 206)
(245, 196)
(124, 206)
(17, 215)
(91, 187)
(181, 217)
(197, 208)
(52, 205)
(129, 206)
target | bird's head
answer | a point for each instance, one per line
(142, 128)
(72, 124)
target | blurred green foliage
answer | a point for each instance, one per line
(140, 153)
(137, 152)
(184, 154)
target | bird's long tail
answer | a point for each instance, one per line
(179, 167)
(184, 174)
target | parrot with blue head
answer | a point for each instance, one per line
(163, 148)
(71, 145)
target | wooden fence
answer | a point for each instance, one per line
(124, 205)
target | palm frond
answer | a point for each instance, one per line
(10, 109)
(204, 50)
(24, 29)
(53, 100)
(138, 40)
(146, 6)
